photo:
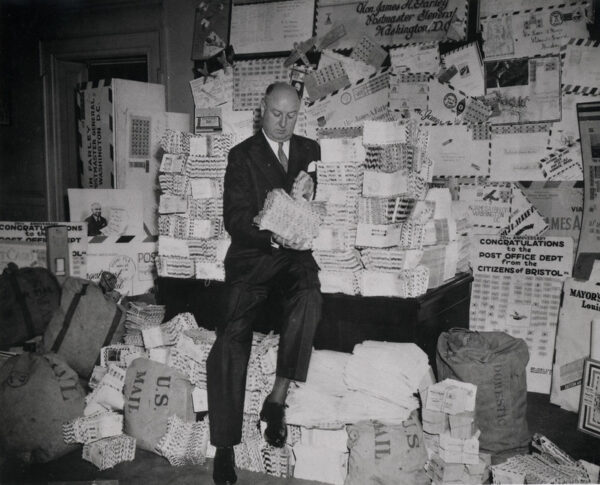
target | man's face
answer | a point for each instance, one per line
(280, 111)
(97, 210)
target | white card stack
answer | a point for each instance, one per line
(192, 170)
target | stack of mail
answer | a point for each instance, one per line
(321, 455)
(107, 394)
(339, 175)
(140, 316)
(388, 371)
(451, 439)
(108, 452)
(191, 204)
(184, 443)
(253, 453)
(407, 283)
(392, 212)
(339, 271)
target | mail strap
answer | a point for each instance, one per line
(68, 318)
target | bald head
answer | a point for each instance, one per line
(279, 111)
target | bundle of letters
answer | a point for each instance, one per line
(548, 464)
(192, 239)
(141, 316)
(451, 440)
(291, 219)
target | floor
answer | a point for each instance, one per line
(150, 469)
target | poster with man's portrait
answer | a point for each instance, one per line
(108, 212)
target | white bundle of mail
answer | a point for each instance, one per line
(291, 219)
(390, 371)
(87, 429)
(408, 283)
(108, 452)
(168, 333)
(340, 281)
(184, 443)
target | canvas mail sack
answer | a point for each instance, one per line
(38, 393)
(28, 299)
(86, 321)
(496, 363)
(154, 392)
(382, 454)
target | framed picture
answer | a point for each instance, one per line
(589, 404)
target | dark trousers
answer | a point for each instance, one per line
(249, 281)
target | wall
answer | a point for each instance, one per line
(178, 29)
(22, 142)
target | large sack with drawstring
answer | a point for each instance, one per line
(28, 299)
(496, 363)
(86, 321)
(38, 393)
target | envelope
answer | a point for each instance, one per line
(365, 99)
(424, 58)
(532, 33)
(581, 65)
(464, 69)
(515, 155)
(455, 151)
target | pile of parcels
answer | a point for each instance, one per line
(356, 420)
(377, 227)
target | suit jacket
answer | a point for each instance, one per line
(253, 170)
(95, 226)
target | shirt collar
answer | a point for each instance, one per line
(275, 146)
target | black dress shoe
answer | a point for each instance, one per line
(274, 415)
(224, 466)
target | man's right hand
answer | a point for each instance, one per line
(297, 244)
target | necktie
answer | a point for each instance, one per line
(282, 157)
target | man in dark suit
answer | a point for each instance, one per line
(96, 222)
(256, 262)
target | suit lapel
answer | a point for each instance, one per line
(262, 155)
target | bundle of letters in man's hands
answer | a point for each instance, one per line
(292, 219)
